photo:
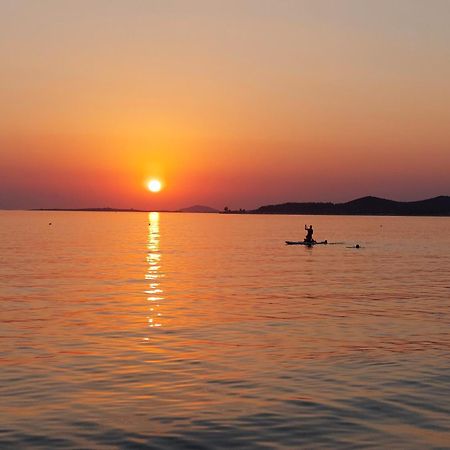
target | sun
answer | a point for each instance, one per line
(154, 185)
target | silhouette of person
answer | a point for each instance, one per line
(309, 234)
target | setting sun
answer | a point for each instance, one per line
(154, 185)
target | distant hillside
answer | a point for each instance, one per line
(437, 206)
(199, 209)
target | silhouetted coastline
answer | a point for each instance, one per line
(198, 209)
(93, 209)
(364, 206)
(437, 206)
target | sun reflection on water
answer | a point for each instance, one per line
(154, 291)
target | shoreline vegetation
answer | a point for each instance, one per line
(367, 206)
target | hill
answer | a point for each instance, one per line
(199, 209)
(437, 206)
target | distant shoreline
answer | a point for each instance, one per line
(105, 210)
(231, 213)
(92, 210)
(365, 206)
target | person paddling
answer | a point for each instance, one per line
(309, 233)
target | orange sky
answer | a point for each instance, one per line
(229, 103)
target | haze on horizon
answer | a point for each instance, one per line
(228, 103)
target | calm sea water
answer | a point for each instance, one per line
(133, 330)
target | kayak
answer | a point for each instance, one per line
(308, 244)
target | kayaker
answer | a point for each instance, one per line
(309, 234)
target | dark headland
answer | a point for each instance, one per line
(198, 209)
(437, 206)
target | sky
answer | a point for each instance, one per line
(229, 103)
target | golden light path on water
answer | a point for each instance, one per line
(153, 274)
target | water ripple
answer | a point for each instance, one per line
(204, 331)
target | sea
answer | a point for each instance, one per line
(203, 331)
